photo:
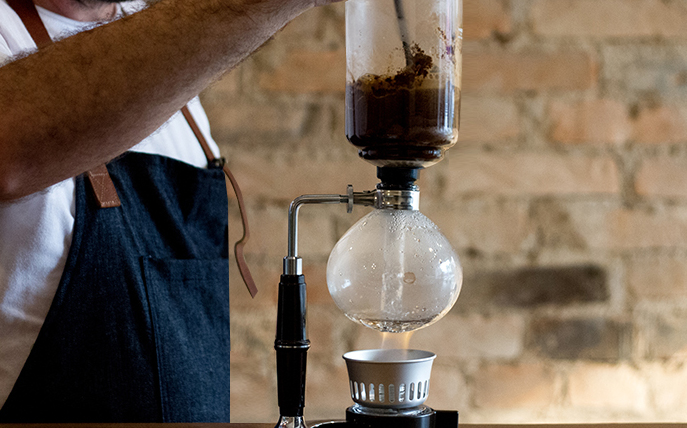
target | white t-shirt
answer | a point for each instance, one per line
(36, 232)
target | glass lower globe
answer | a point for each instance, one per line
(394, 271)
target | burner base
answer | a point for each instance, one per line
(423, 417)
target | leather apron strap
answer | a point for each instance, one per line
(99, 178)
(212, 160)
(32, 21)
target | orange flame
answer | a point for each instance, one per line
(396, 340)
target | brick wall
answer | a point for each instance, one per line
(566, 198)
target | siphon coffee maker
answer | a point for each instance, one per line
(393, 270)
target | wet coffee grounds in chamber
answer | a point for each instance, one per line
(400, 119)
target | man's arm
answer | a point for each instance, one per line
(84, 100)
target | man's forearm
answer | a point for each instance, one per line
(86, 99)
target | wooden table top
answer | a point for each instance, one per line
(271, 425)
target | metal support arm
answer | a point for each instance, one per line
(378, 198)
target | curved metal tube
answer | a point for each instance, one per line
(293, 264)
(393, 199)
(295, 206)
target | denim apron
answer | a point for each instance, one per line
(138, 330)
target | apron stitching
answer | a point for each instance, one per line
(153, 333)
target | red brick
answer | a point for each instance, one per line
(265, 277)
(592, 338)
(253, 396)
(307, 71)
(524, 385)
(657, 277)
(244, 118)
(473, 336)
(662, 332)
(283, 175)
(307, 27)
(508, 71)
(607, 387)
(532, 287)
(531, 174)
(488, 119)
(327, 393)
(668, 384)
(252, 333)
(486, 226)
(448, 388)
(268, 232)
(225, 88)
(269, 236)
(609, 18)
(327, 328)
(662, 177)
(483, 17)
(608, 226)
(593, 121)
(661, 125)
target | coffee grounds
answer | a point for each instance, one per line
(394, 121)
(410, 77)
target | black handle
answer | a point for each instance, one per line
(291, 345)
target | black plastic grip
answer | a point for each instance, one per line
(291, 345)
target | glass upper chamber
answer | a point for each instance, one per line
(394, 271)
(403, 63)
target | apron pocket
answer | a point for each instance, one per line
(189, 302)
